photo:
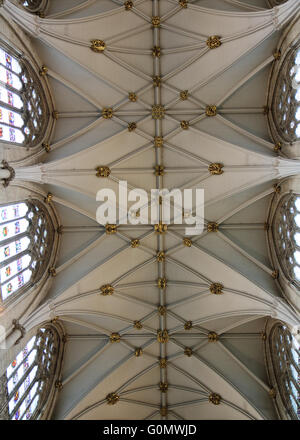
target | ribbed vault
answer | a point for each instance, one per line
(161, 325)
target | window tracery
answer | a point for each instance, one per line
(286, 231)
(285, 358)
(23, 109)
(286, 103)
(29, 378)
(26, 234)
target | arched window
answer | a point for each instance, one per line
(34, 5)
(23, 109)
(26, 234)
(285, 358)
(286, 233)
(28, 381)
(286, 103)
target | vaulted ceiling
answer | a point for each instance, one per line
(221, 350)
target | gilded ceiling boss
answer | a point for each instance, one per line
(149, 213)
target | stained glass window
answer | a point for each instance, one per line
(29, 377)
(22, 102)
(286, 367)
(25, 245)
(286, 103)
(286, 233)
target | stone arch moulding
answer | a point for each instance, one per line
(18, 45)
(283, 60)
(288, 286)
(281, 351)
(24, 302)
(49, 336)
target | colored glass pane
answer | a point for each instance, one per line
(11, 229)
(15, 283)
(28, 375)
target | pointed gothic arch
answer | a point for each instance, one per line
(26, 242)
(286, 101)
(24, 112)
(31, 380)
(283, 365)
